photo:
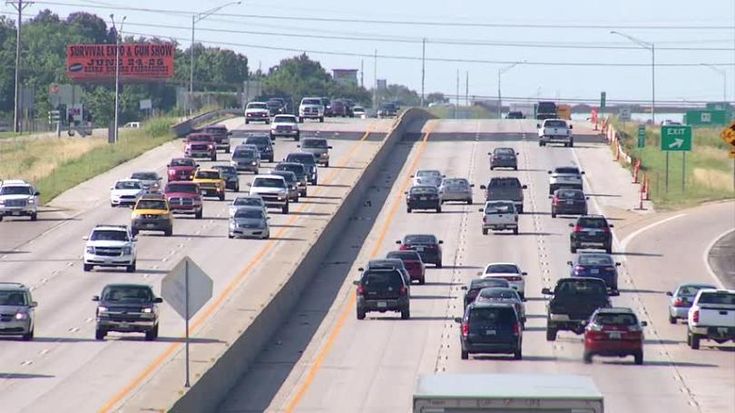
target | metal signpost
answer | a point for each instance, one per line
(186, 288)
(676, 139)
(641, 136)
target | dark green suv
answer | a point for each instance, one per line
(383, 290)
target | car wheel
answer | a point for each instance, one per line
(438, 210)
(638, 358)
(553, 215)
(28, 336)
(540, 143)
(168, 232)
(518, 354)
(213, 158)
(515, 168)
(131, 267)
(405, 314)
(296, 200)
(515, 231)
(608, 250)
(520, 209)
(247, 121)
(408, 209)
(469, 202)
(587, 357)
(227, 149)
(571, 144)
(484, 231)
(151, 335)
(199, 214)
(492, 168)
(360, 314)
(34, 217)
(439, 264)
(134, 231)
(465, 355)
(573, 249)
(422, 280)
(326, 165)
(672, 320)
(694, 341)
(321, 119)
(550, 333)
(222, 196)
(88, 267)
(1, 218)
(99, 334)
(284, 209)
(267, 235)
(230, 235)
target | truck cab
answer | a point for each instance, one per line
(711, 317)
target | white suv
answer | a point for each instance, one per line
(110, 246)
(286, 126)
(311, 108)
(273, 189)
(18, 198)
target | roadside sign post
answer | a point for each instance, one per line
(641, 136)
(676, 139)
(186, 288)
(728, 135)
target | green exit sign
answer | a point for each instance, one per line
(676, 138)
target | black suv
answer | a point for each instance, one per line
(572, 303)
(309, 161)
(505, 189)
(264, 144)
(423, 197)
(382, 290)
(503, 158)
(299, 170)
(127, 308)
(591, 231)
(568, 202)
(491, 328)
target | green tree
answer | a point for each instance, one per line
(297, 77)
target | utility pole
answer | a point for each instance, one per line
(456, 106)
(19, 5)
(117, 75)
(423, 69)
(467, 88)
(650, 46)
(375, 80)
(362, 73)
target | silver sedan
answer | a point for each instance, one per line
(682, 298)
(249, 222)
(455, 189)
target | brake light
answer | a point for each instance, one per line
(577, 228)
(679, 302)
(579, 268)
(606, 230)
(465, 329)
(360, 290)
(516, 329)
(555, 201)
(403, 290)
(512, 278)
(695, 316)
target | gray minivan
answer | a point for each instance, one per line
(317, 146)
(245, 159)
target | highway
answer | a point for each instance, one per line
(64, 368)
(323, 359)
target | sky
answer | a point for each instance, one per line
(677, 24)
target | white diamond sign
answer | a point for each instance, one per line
(186, 278)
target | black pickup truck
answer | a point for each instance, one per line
(572, 303)
(505, 189)
(127, 308)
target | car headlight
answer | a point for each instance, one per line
(90, 250)
(281, 197)
(147, 310)
(31, 201)
(127, 250)
(101, 309)
(21, 316)
(252, 163)
(2, 202)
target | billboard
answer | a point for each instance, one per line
(137, 61)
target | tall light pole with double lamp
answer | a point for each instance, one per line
(117, 75)
(500, 74)
(723, 73)
(652, 48)
(196, 18)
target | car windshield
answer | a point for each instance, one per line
(268, 183)
(595, 259)
(188, 188)
(567, 170)
(504, 151)
(182, 162)
(257, 106)
(243, 153)
(581, 287)
(314, 143)
(109, 235)
(428, 174)
(128, 294)
(284, 119)
(502, 269)
(616, 319)
(311, 102)
(425, 190)
(199, 138)
(16, 190)
(151, 204)
(304, 158)
(719, 297)
(296, 168)
(504, 183)
(499, 293)
(145, 176)
(249, 213)
(404, 255)
(494, 316)
(419, 239)
(568, 194)
(691, 290)
(592, 223)
(13, 298)
(382, 279)
(208, 175)
(555, 124)
(489, 282)
(289, 176)
(455, 182)
(499, 208)
(257, 140)
(247, 201)
(128, 185)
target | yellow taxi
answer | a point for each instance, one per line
(152, 213)
(211, 182)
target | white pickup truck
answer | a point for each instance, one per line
(499, 215)
(555, 131)
(712, 317)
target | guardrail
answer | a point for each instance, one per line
(184, 128)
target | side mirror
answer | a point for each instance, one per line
(481, 209)
(611, 226)
(458, 320)
(329, 147)
(538, 125)
(548, 172)
(298, 146)
(95, 298)
(644, 323)
(489, 153)
(570, 263)
(587, 198)
(669, 293)
(168, 165)
(483, 187)
(524, 186)
(518, 153)
(581, 173)
(405, 192)
(398, 242)
(571, 126)
(135, 238)
(34, 304)
(524, 273)
(37, 193)
(158, 300)
(248, 184)
(571, 225)
(85, 238)
(356, 282)
(617, 264)
(472, 185)
(361, 269)
(441, 242)
(546, 291)
(268, 218)
(479, 273)
(464, 287)
(551, 197)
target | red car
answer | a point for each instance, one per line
(412, 262)
(428, 247)
(201, 145)
(614, 332)
(181, 169)
(185, 197)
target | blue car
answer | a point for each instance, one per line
(596, 265)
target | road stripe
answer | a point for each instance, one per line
(138, 380)
(299, 394)
(705, 256)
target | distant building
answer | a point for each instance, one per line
(345, 76)
(382, 84)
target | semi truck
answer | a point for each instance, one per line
(506, 393)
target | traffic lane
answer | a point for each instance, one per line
(721, 258)
(200, 233)
(331, 125)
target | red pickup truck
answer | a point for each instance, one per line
(185, 197)
(181, 169)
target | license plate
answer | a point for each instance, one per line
(423, 198)
(124, 325)
(489, 332)
(722, 330)
(570, 202)
(108, 261)
(16, 213)
(382, 304)
(419, 248)
(614, 335)
(150, 225)
(593, 233)
(594, 271)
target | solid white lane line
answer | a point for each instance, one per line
(624, 243)
(705, 256)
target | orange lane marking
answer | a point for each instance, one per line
(224, 295)
(349, 305)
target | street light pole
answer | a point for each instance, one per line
(19, 6)
(423, 69)
(722, 72)
(500, 74)
(196, 18)
(117, 75)
(650, 46)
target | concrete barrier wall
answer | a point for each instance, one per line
(186, 127)
(208, 392)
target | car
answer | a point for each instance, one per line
(152, 213)
(201, 145)
(412, 263)
(257, 112)
(184, 197)
(17, 317)
(503, 158)
(319, 147)
(569, 177)
(682, 298)
(338, 108)
(249, 222)
(515, 115)
(221, 136)
(423, 197)
(509, 272)
(572, 303)
(309, 161)
(427, 245)
(456, 190)
(292, 182)
(127, 308)
(247, 200)
(383, 290)
(505, 188)
(711, 317)
(125, 191)
(132, 125)
(245, 159)
(568, 202)
(499, 216)
(427, 177)
(490, 328)
(273, 189)
(311, 108)
(591, 231)
(546, 110)
(504, 295)
(299, 170)
(327, 107)
(264, 145)
(275, 107)
(596, 265)
(18, 198)
(211, 182)
(387, 110)
(254, 148)
(285, 126)
(359, 112)
(555, 131)
(110, 246)
(613, 332)
(388, 264)
(475, 285)
(181, 169)
(151, 180)
(229, 174)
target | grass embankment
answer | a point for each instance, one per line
(463, 112)
(57, 164)
(709, 170)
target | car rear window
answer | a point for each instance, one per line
(567, 194)
(314, 143)
(717, 298)
(382, 279)
(427, 173)
(489, 282)
(692, 290)
(244, 153)
(504, 151)
(423, 190)
(287, 175)
(504, 183)
(595, 259)
(567, 170)
(501, 269)
(495, 316)
(494, 292)
(305, 158)
(592, 222)
(190, 188)
(128, 294)
(555, 124)
(405, 255)
(581, 287)
(420, 239)
(296, 168)
(618, 319)
(226, 170)
(257, 140)
(499, 208)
